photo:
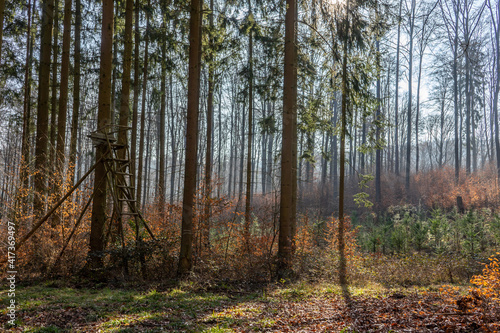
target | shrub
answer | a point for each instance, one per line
(488, 283)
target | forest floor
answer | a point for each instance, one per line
(56, 306)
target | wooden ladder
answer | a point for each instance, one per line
(121, 182)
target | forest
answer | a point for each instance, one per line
(238, 166)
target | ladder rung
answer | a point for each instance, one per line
(123, 173)
(117, 146)
(125, 186)
(130, 213)
(129, 200)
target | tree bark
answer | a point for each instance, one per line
(25, 149)
(135, 105)
(185, 257)
(42, 124)
(497, 89)
(288, 163)
(98, 219)
(63, 96)
(410, 77)
(249, 143)
(396, 109)
(2, 8)
(378, 156)
(125, 94)
(53, 112)
(143, 114)
(76, 91)
(208, 154)
(161, 182)
(343, 127)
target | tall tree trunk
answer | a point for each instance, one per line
(473, 124)
(220, 159)
(363, 142)
(378, 156)
(269, 178)
(263, 167)
(25, 149)
(250, 136)
(114, 67)
(76, 91)
(98, 219)
(288, 163)
(63, 96)
(497, 88)
(455, 96)
(143, 113)
(208, 155)
(42, 124)
(333, 167)
(441, 126)
(324, 169)
(2, 8)
(147, 164)
(410, 97)
(185, 257)
(173, 145)
(231, 154)
(343, 127)
(53, 111)
(467, 111)
(417, 115)
(125, 95)
(161, 181)
(135, 105)
(396, 109)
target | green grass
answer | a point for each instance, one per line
(119, 310)
(45, 308)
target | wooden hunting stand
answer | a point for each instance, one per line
(120, 182)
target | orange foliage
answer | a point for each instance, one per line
(437, 188)
(488, 283)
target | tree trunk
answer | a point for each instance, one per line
(288, 163)
(417, 115)
(410, 73)
(249, 144)
(497, 90)
(333, 167)
(378, 156)
(396, 109)
(143, 115)
(161, 181)
(473, 124)
(42, 124)
(343, 126)
(455, 98)
(467, 112)
(232, 144)
(63, 97)
(125, 95)
(208, 155)
(53, 112)
(25, 149)
(173, 145)
(76, 91)
(98, 219)
(185, 257)
(135, 105)
(2, 8)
